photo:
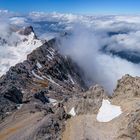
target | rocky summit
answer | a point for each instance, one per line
(45, 97)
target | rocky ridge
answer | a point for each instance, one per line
(46, 95)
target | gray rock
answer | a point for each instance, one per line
(41, 96)
(27, 31)
(134, 126)
(13, 94)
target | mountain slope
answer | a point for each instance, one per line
(36, 89)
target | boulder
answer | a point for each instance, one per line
(41, 96)
(13, 94)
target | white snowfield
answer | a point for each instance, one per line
(108, 112)
(11, 55)
(72, 112)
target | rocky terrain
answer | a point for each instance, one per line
(32, 88)
(85, 124)
(45, 97)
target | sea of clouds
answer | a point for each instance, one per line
(106, 47)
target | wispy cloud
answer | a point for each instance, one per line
(85, 46)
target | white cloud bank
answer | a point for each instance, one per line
(85, 45)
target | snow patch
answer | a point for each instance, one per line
(50, 79)
(49, 57)
(72, 112)
(53, 101)
(37, 76)
(107, 112)
(52, 50)
(51, 53)
(19, 106)
(71, 79)
(38, 65)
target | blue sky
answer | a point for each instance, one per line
(74, 6)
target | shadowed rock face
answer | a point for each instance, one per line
(6, 106)
(13, 94)
(27, 31)
(41, 96)
(87, 102)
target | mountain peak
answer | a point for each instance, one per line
(27, 31)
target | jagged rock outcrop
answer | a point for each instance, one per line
(13, 94)
(91, 101)
(127, 93)
(46, 68)
(87, 102)
(27, 31)
(6, 106)
(41, 96)
(52, 126)
(128, 87)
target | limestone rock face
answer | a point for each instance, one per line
(87, 102)
(91, 101)
(13, 94)
(128, 87)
